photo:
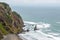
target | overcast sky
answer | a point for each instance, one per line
(31, 2)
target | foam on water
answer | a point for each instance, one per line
(58, 22)
(38, 34)
(38, 25)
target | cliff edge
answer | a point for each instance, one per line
(10, 21)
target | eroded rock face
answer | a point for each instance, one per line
(10, 21)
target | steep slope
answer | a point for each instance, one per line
(10, 21)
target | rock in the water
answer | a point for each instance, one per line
(10, 21)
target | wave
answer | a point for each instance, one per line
(38, 34)
(58, 22)
(38, 24)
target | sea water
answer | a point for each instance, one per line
(47, 16)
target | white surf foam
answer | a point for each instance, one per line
(38, 34)
(58, 22)
(29, 22)
(38, 25)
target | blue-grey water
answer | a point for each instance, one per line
(39, 14)
(49, 15)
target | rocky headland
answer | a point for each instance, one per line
(10, 21)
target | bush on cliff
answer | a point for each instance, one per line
(10, 21)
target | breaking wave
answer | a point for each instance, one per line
(43, 31)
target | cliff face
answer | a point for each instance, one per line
(10, 21)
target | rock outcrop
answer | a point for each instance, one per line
(10, 21)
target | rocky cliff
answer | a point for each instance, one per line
(10, 21)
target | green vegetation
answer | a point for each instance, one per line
(9, 18)
(10, 21)
(16, 14)
(2, 29)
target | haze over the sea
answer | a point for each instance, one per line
(32, 2)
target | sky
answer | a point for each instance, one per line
(31, 2)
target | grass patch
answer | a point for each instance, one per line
(3, 30)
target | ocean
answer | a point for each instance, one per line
(47, 20)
